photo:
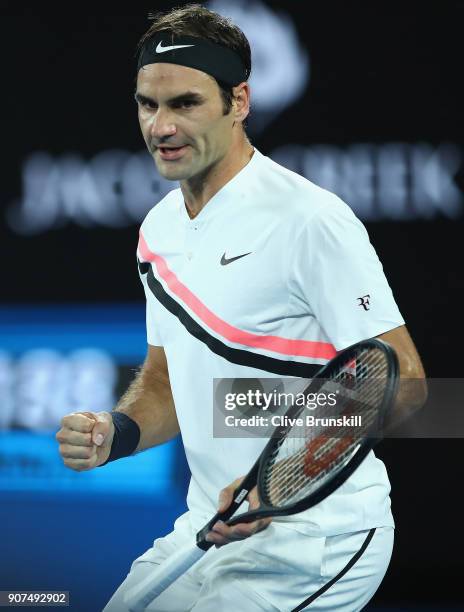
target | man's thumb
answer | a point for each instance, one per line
(224, 500)
(101, 429)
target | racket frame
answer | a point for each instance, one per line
(364, 446)
(256, 474)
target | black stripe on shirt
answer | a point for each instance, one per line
(234, 355)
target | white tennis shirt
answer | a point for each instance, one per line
(272, 278)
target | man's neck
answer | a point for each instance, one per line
(199, 190)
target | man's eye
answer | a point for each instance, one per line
(148, 104)
(185, 104)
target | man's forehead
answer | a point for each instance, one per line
(161, 77)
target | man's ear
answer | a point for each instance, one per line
(241, 101)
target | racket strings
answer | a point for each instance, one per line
(306, 456)
(318, 464)
(291, 492)
(317, 455)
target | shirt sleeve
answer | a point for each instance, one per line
(339, 276)
(153, 333)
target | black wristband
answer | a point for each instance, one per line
(126, 437)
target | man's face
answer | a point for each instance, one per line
(181, 117)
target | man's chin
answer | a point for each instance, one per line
(168, 170)
(172, 171)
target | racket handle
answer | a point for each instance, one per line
(239, 496)
(138, 597)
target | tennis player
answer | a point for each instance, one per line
(249, 271)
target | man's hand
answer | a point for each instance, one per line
(85, 439)
(223, 534)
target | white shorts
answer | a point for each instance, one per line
(280, 569)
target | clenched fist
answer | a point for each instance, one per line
(85, 439)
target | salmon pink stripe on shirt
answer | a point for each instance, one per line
(285, 346)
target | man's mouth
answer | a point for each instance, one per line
(171, 153)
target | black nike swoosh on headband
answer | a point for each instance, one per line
(234, 355)
(225, 261)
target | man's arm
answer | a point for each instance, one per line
(149, 402)
(412, 392)
(86, 437)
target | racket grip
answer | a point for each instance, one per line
(138, 597)
(239, 496)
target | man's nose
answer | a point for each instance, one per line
(162, 125)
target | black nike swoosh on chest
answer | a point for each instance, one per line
(225, 261)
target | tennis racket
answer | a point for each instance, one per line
(301, 465)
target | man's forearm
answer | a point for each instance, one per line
(411, 396)
(148, 401)
(412, 389)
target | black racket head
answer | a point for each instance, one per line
(300, 468)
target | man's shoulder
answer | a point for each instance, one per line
(162, 211)
(294, 194)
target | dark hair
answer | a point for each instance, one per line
(196, 20)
